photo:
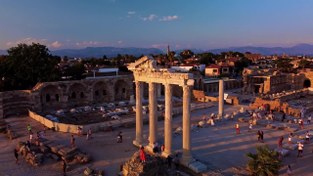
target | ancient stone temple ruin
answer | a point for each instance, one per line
(146, 71)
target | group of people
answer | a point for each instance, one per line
(169, 158)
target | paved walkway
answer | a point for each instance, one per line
(219, 147)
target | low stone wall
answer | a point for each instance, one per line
(276, 105)
(70, 128)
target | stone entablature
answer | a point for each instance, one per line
(145, 70)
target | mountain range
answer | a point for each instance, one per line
(3, 52)
(108, 51)
(301, 49)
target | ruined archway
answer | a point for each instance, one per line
(101, 92)
(121, 90)
(50, 96)
(307, 83)
(77, 94)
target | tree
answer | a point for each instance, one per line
(283, 64)
(264, 163)
(304, 63)
(27, 65)
(75, 72)
(241, 64)
(186, 54)
(206, 58)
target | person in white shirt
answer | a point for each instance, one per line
(300, 149)
(309, 119)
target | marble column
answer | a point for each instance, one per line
(221, 98)
(139, 119)
(168, 120)
(186, 158)
(152, 114)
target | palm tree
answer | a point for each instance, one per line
(264, 163)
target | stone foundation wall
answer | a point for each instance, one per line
(15, 103)
(50, 96)
(280, 104)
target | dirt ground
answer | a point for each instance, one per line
(218, 147)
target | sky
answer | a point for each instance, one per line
(182, 24)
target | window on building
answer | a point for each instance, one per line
(57, 98)
(104, 92)
(97, 93)
(214, 70)
(47, 98)
(82, 95)
(73, 95)
(123, 90)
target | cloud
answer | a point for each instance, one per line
(159, 45)
(119, 42)
(28, 41)
(56, 44)
(169, 18)
(131, 13)
(151, 17)
(91, 44)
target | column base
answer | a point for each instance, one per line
(136, 143)
(186, 159)
(165, 154)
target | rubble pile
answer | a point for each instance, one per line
(31, 155)
(67, 153)
(133, 167)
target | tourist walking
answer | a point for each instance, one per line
(142, 154)
(237, 128)
(301, 124)
(307, 137)
(88, 134)
(31, 137)
(309, 119)
(262, 136)
(290, 138)
(73, 141)
(119, 137)
(29, 128)
(300, 149)
(162, 148)
(289, 171)
(250, 126)
(280, 141)
(16, 156)
(283, 117)
(259, 135)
